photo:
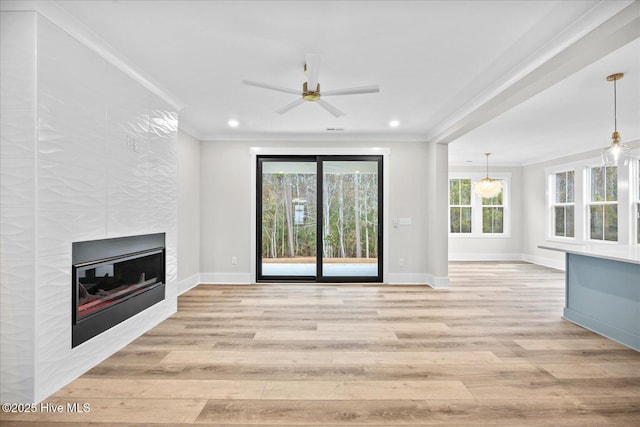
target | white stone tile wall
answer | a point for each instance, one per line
(17, 205)
(104, 164)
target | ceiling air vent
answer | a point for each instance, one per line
(335, 129)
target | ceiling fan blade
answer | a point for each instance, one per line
(272, 87)
(290, 106)
(353, 90)
(330, 108)
(313, 61)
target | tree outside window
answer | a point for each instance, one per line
(603, 206)
(460, 206)
(493, 215)
(564, 204)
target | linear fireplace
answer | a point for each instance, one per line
(114, 279)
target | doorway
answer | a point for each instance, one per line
(319, 218)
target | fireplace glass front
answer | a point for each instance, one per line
(116, 286)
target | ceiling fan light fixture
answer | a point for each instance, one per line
(488, 188)
(616, 154)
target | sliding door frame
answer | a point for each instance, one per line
(260, 160)
(319, 160)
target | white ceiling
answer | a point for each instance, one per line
(442, 67)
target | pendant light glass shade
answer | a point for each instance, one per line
(616, 154)
(488, 188)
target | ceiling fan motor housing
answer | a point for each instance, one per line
(309, 95)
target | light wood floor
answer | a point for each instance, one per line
(490, 350)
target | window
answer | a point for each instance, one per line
(460, 205)
(603, 204)
(493, 215)
(471, 216)
(564, 204)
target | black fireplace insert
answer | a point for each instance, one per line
(114, 279)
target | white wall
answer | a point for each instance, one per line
(188, 211)
(226, 201)
(92, 154)
(494, 247)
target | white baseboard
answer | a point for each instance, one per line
(188, 283)
(483, 256)
(418, 279)
(545, 262)
(438, 282)
(225, 278)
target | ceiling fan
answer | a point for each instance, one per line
(311, 88)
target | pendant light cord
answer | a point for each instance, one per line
(615, 106)
(487, 154)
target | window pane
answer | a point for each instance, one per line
(611, 223)
(465, 220)
(455, 220)
(612, 184)
(559, 220)
(570, 222)
(597, 184)
(561, 187)
(454, 192)
(596, 214)
(570, 187)
(492, 220)
(465, 191)
(498, 223)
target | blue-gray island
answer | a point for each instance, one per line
(603, 289)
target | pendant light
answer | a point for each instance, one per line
(488, 188)
(617, 154)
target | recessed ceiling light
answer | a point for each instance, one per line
(394, 123)
(233, 123)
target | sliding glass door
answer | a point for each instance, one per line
(287, 195)
(319, 218)
(350, 218)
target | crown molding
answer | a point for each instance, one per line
(52, 11)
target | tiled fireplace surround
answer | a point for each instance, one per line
(86, 153)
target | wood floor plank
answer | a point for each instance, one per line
(245, 357)
(568, 344)
(323, 335)
(592, 370)
(383, 326)
(414, 358)
(86, 388)
(365, 390)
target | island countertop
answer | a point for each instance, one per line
(623, 253)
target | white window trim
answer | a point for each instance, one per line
(476, 207)
(470, 205)
(589, 203)
(554, 204)
(578, 201)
